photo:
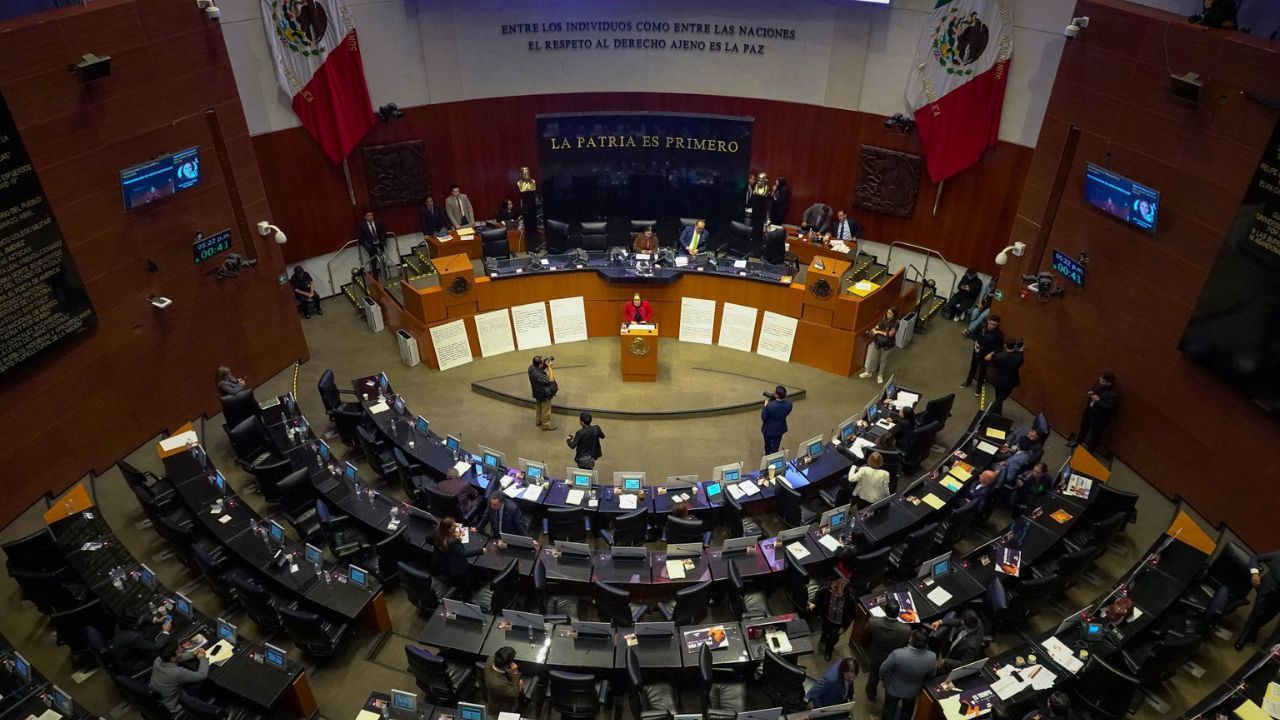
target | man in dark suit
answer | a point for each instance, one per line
(371, 234)
(1264, 573)
(693, 239)
(586, 442)
(773, 419)
(884, 635)
(1103, 399)
(986, 340)
(433, 219)
(817, 218)
(502, 516)
(959, 639)
(845, 227)
(1002, 371)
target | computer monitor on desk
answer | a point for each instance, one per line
(877, 506)
(463, 610)
(835, 519)
(768, 714)
(350, 472)
(592, 629)
(516, 541)
(422, 425)
(727, 474)
(470, 711)
(322, 449)
(274, 656)
(146, 576)
(777, 461)
(655, 629)
(679, 550)
(533, 470)
(406, 701)
(965, 671)
(810, 448)
(713, 490)
(580, 478)
(629, 481)
(62, 701)
(20, 667)
(182, 605)
(453, 443)
(936, 568)
(573, 550)
(226, 632)
(621, 553)
(847, 429)
(492, 459)
(524, 620)
(843, 710)
(790, 535)
(276, 531)
(739, 545)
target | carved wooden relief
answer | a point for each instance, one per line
(396, 174)
(888, 181)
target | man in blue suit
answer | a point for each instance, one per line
(693, 239)
(836, 684)
(502, 516)
(773, 419)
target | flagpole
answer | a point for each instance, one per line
(937, 199)
(351, 193)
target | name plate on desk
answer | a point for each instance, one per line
(648, 327)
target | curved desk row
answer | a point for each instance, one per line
(124, 587)
(25, 692)
(1249, 683)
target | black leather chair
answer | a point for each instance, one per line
(345, 540)
(313, 635)
(1154, 662)
(494, 243)
(629, 530)
(1068, 566)
(915, 549)
(218, 575)
(258, 603)
(501, 592)
(569, 524)
(577, 696)
(594, 237)
(738, 242)
(1097, 533)
(297, 504)
(182, 535)
(445, 683)
(736, 522)
(69, 627)
(867, 570)
(424, 591)
(783, 681)
(249, 442)
(775, 242)
(638, 226)
(388, 552)
(613, 605)
(443, 504)
(557, 236)
(790, 506)
(267, 476)
(50, 592)
(153, 499)
(647, 697)
(1107, 500)
(686, 530)
(1107, 692)
(800, 588)
(1028, 597)
(938, 410)
(376, 452)
(346, 416)
(550, 604)
(745, 603)
(721, 689)
(194, 708)
(917, 444)
(239, 407)
(689, 606)
(157, 487)
(37, 552)
(145, 700)
(1229, 571)
(956, 525)
(414, 478)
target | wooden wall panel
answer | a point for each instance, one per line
(481, 143)
(94, 398)
(1183, 429)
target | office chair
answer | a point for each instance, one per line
(569, 524)
(1229, 570)
(444, 682)
(956, 526)
(37, 552)
(70, 625)
(629, 530)
(1154, 662)
(918, 443)
(685, 530)
(790, 506)
(50, 592)
(1097, 533)
(194, 708)
(893, 462)
(530, 686)
(377, 452)
(443, 504)
(249, 442)
(775, 243)
(907, 555)
(297, 504)
(1106, 691)
(738, 244)
(594, 236)
(577, 696)
(797, 584)
(423, 589)
(721, 690)
(239, 407)
(736, 522)
(267, 476)
(414, 478)
(557, 236)
(182, 536)
(783, 681)
(313, 635)
(101, 651)
(143, 698)
(217, 576)
(1107, 501)
(647, 697)
(346, 416)
(938, 410)
(613, 605)
(638, 226)
(688, 222)
(867, 570)
(689, 606)
(344, 539)
(258, 603)
(494, 243)
(501, 592)
(554, 607)
(387, 554)
(153, 506)
(1028, 597)
(744, 603)
(1071, 565)
(158, 487)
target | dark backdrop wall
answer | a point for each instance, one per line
(1181, 427)
(480, 144)
(96, 397)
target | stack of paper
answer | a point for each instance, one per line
(932, 501)
(627, 501)
(1271, 701)
(938, 596)
(379, 407)
(798, 550)
(675, 569)
(1008, 686)
(1249, 710)
(986, 447)
(512, 491)
(462, 466)
(748, 488)
(180, 440)
(532, 493)
(829, 542)
(736, 491)
(574, 497)
(860, 446)
(1042, 678)
(962, 471)
(995, 434)
(1063, 655)
(951, 484)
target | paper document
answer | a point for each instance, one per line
(49, 714)
(749, 488)
(627, 501)
(932, 501)
(860, 446)
(938, 596)
(379, 407)
(1063, 655)
(877, 611)
(180, 440)
(508, 716)
(1249, 710)
(995, 434)
(961, 471)
(574, 497)
(986, 447)
(366, 715)
(951, 484)
(466, 232)
(798, 550)
(736, 491)
(220, 652)
(740, 264)
(532, 493)
(1042, 678)
(951, 707)
(462, 466)
(1008, 686)
(829, 542)
(675, 569)
(512, 491)
(1271, 701)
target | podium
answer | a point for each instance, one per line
(822, 289)
(638, 345)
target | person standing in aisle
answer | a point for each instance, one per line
(542, 383)
(987, 339)
(773, 419)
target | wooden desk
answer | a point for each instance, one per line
(806, 251)
(471, 247)
(639, 354)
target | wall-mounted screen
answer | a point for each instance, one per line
(1068, 268)
(1121, 197)
(162, 177)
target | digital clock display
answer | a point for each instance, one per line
(1068, 268)
(212, 246)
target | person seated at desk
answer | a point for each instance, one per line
(1264, 575)
(1026, 455)
(432, 217)
(884, 635)
(693, 239)
(905, 672)
(229, 384)
(637, 311)
(836, 684)
(983, 491)
(845, 228)
(507, 213)
(904, 423)
(1056, 707)
(959, 639)
(502, 682)
(503, 516)
(835, 604)
(170, 679)
(1013, 441)
(680, 510)
(450, 557)
(453, 484)
(870, 481)
(1028, 487)
(133, 650)
(645, 242)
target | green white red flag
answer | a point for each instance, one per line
(956, 88)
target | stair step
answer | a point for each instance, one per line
(932, 307)
(349, 291)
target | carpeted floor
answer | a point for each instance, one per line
(933, 365)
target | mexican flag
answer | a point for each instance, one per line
(956, 88)
(317, 59)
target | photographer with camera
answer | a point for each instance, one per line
(542, 383)
(1002, 371)
(773, 418)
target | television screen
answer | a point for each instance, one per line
(1121, 197)
(1068, 268)
(164, 176)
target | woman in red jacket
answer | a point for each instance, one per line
(637, 311)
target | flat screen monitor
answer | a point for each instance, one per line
(182, 605)
(831, 711)
(679, 716)
(655, 629)
(628, 554)
(384, 385)
(146, 576)
(219, 481)
(470, 711)
(727, 474)
(160, 178)
(533, 470)
(422, 425)
(1121, 198)
(591, 629)
(965, 671)
(313, 554)
(277, 531)
(492, 458)
(872, 412)
(322, 448)
(629, 481)
(777, 461)
(405, 701)
(273, 656)
(349, 471)
(877, 506)
(834, 519)
(795, 533)
(890, 390)
(358, 575)
(937, 567)
(741, 544)
(579, 477)
(847, 429)
(516, 541)
(525, 620)
(677, 550)
(571, 549)
(769, 714)
(21, 667)
(399, 405)
(1067, 267)
(463, 610)
(811, 448)
(226, 631)
(713, 490)
(62, 701)
(452, 443)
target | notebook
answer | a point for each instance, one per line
(798, 550)
(675, 569)
(574, 497)
(627, 501)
